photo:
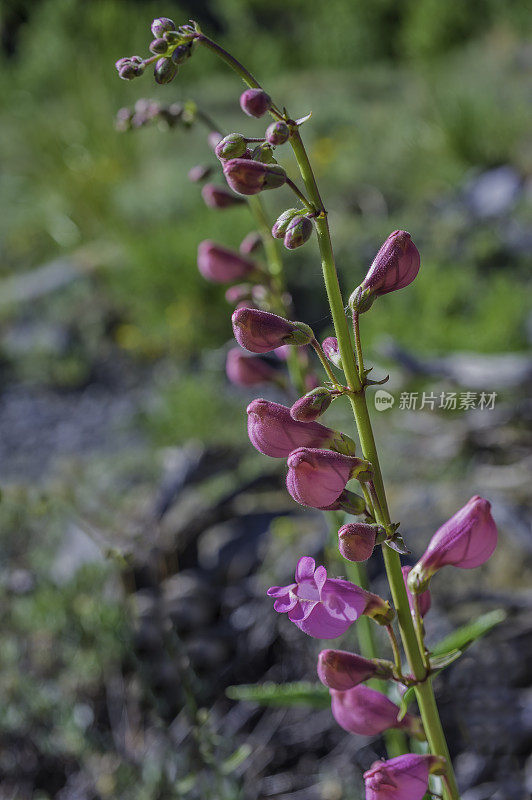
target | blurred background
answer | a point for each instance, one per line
(138, 527)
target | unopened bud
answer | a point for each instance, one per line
(394, 267)
(312, 405)
(232, 146)
(130, 68)
(238, 293)
(182, 53)
(160, 25)
(255, 102)
(278, 133)
(199, 173)
(219, 196)
(282, 222)
(332, 351)
(246, 370)
(356, 540)
(261, 331)
(164, 71)
(298, 231)
(250, 243)
(264, 154)
(159, 46)
(251, 177)
(342, 671)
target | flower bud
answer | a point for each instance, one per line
(160, 25)
(255, 102)
(278, 133)
(219, 196)
(312, 405)
(250, 243)
(394, 267)
(261, 331)
(164, 71)
(129, 68)
(317, 477)
(221, 265)
(263, 153)
(199, 173)
(273, 432)
(158, 46)
(466, 541)
(232, 146)
(332, 351)
(182, 53)
(404, 777)
(245, 370)
(356, 540)
(424, 599)
(298, 231)
(282, 222)
(251, 177)
(368, 712)
(342, 671)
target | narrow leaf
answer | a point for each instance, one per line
(302, 693)
(235, 759)
(467, 634)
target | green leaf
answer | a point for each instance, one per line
(406, 699)
(467, 634)
(440, 662)
(302, 693)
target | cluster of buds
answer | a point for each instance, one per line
(170, 47)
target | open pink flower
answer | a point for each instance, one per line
(247, 370)
(272, 431)
(402, 778)
(317, 478)
(324, 607)
(424, 599)
(262, 331)
(340, 670)
(466, 541)
(221, 265)
(368, 712)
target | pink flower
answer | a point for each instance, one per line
(317, 477)
(368, 712)
(323, 607)
(250, 243)
(262, 331)
(247, 370)
(342, 671)
(332, 351)
(272, 431)
(356, 540)
(238, 293)
(221, 265)
(402, 778)
(251, 177)
(466, 541)
(424, 599)
(219, 196)
(395, 265)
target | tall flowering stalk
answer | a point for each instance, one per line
(322, 463)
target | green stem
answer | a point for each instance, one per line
(325, 364)
(358, 345)
(299, 194)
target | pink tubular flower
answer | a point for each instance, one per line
(219, 196)
(402, 778)
(342, 671)
(424, 599)
(356, 540)
(251, 177)
(250, 243)
(221, 265)
(395, 265)
(246, 370)
(272, 431)
(368, 712)
(466, 541)
(332, 351)
(324, 607)
(262, 331)
(317, 478)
